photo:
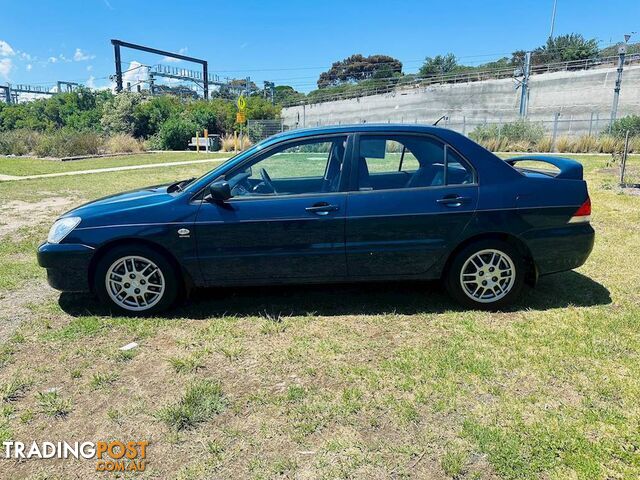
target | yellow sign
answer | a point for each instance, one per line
(241, 117)
(242, 103)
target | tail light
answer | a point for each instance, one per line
(583, 214)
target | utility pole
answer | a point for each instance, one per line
(524, 93)
(553, 18)
(622, 51)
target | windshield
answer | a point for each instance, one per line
(247, 152)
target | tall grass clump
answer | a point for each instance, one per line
(634, 144)
(19, 142)
(123, 143)
(545, 144)
(68, 143)
(520, 135)
(564, 144)
(230, 144)
(201, 401)
(586, 144)
(610, 144)
(227, 143)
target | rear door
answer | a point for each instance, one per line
(411, 198)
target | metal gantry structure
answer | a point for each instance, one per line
(200, 78)
(10, 93)
(203, 79)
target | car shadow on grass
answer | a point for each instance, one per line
(556, 291)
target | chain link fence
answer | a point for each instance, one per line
(260, 129)
(555, 125)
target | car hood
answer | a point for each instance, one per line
(124, 206)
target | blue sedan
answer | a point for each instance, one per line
(333, 204)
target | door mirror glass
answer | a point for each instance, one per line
(220, 191)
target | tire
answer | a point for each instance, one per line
(153, 284)
(472, 265)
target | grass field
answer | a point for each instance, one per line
(357, 381)
(35, 166)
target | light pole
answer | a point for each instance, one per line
(553, 18)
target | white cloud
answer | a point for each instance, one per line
(182, 51)
(59, 58)
(29, 67)
(137, 73)
(6, 50)
(6, 65)
(80, 56)
(89, 68)
(25, 56)
(91, 82)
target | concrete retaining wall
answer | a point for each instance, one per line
(582, 98)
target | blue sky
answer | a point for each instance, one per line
(286, 41)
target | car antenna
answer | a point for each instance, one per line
(438, 120)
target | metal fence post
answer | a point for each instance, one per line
(623, 162)
(464, 124)
(556, 116)
(591, 124)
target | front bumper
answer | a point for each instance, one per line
(67, 265)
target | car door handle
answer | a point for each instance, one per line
(453, 200)
(322, 208)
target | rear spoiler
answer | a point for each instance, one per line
(569, 169)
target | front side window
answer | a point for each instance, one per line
(408, 161)
(309, 166)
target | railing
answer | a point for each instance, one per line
(398, 84)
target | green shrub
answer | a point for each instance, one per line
(176, 133)
(629, 123)
(518, 131)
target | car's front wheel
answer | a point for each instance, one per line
(136, 280)
(487, 274)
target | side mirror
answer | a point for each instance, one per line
(220, 191)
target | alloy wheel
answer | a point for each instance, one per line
(135, 283)
(487, 276)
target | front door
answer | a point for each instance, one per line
(411, 199)
(285, 220)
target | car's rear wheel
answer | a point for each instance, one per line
(488, 274)
(136, 280)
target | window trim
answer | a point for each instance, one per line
(353, 184)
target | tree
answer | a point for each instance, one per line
(149, 115)
(284, 94)
(439, 65)
(563, 48)
(118, 114)
(358, 67)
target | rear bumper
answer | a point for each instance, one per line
(561, 248)
(67, 265)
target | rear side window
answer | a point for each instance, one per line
(408, 161)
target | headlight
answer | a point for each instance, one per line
(61, 228)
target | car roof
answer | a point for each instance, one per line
(359, 127)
